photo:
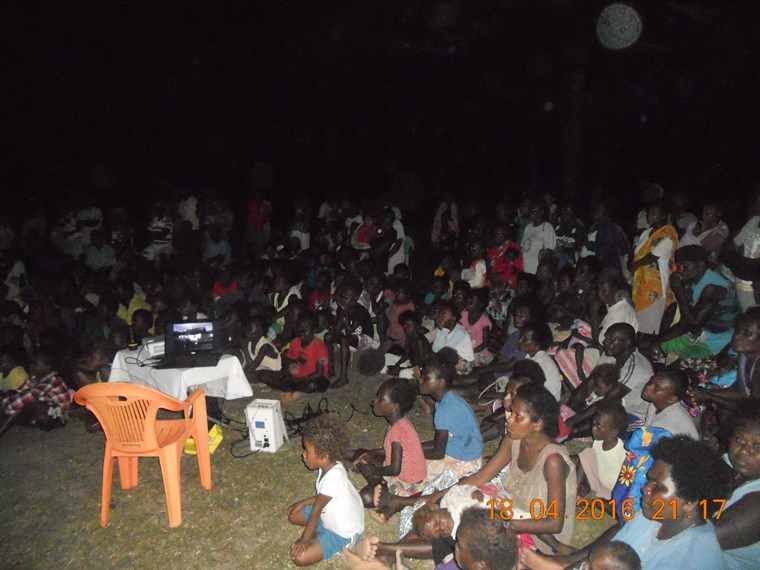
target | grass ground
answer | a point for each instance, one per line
(50, 497)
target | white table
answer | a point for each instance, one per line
(225, 380)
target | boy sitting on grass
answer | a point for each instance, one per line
(334, 517)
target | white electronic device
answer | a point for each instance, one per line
(155, 346)
(266, 426)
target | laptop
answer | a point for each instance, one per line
(191, 344)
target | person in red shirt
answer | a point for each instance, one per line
(306, 363)
(225, 286)
(505, 257)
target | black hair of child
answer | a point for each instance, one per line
(606, 374)
(402, 393)
(327, 436)
(617, 414)
(487, 542)
(542, 334)
(622, 553)
(441, 366)
(531, 370)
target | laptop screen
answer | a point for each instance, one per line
(193, 337)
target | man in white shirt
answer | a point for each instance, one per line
(538, 236)
(664, 392)
(634, 368)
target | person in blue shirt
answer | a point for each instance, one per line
(457, 444)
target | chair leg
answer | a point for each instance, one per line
(128, 472)
(134, 471)
(204, 460)
(170, 469)
(105, 496)
(200, 435)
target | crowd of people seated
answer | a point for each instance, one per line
(613, 360)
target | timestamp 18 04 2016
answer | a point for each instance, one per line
(596, 509)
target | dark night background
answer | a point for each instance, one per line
(337, 94)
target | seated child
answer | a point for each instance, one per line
(499, 301)
(451, 334)
(457, 444)
(476, 322)
(476, 274)
(334, 517)
(260, 357)
(402, 302)
(400, 463)
(352, 331)
(600, 464)
(293, 313)
(226, 288)
(523, 311)
(416, 349)
(306, 365)
(439, 291)
(602, 388)
(504, 256)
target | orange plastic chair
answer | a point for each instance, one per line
(128, 413)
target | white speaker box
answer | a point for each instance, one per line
(266, 426)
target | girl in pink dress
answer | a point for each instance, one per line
(476, 322)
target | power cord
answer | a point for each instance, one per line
(355, 410)
(294, 425)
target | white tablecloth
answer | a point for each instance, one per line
(225, 380)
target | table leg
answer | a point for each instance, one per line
(214, 409)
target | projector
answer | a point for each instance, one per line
(155, 346)
(266, 427)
